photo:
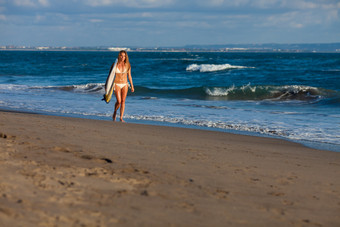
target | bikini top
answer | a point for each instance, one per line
(118, 71)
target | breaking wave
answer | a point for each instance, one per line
(84, 88)
(245, 92)
(263, 92)
(212, 67)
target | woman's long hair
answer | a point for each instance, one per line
(127, 62)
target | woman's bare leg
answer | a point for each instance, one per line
(118, 102)
(124, 92)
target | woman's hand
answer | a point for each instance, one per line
(132, 89)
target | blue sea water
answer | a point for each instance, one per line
(293, 96)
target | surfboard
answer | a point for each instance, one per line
(109, 83)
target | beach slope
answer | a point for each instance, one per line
(58, 171)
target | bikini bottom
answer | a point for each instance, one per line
(120, 85)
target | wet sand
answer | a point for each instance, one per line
(58, 171)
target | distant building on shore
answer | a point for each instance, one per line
(42, 48)
(118, 48)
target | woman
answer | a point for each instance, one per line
(123, 71)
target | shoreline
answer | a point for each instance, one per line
(309, 144)
(73, 171)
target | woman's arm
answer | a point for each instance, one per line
(130, 79)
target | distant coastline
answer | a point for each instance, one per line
(269, 47)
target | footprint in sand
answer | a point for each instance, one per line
(62, 149)
(276, 193)
(287, 203)
(287, 179)
(254, 179)
(189, 207)
(90, 157)
(107, 160)
(5, 136)
(6, 211)
(222, 194)
(85, 156)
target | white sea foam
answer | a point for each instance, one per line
(212, 67)
(91, 87)
(216, 91)
(86, 88)
(212, 124)
(298, 133)
(245, 87)
(299, 88)
(148, 98)
(219, 91)
(12, 87)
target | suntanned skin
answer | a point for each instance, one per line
(121, 93)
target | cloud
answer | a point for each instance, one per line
(165, 21)
(130, 3)
(100, 2)
(235, 7)
(44, 2)
(24, 3)
(274, 5)
(253, 13)
(96, 20)
(301, 19)
(31, 3)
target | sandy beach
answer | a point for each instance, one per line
(58, 171)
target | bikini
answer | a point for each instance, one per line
(119, 84)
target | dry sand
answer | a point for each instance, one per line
(57, 171)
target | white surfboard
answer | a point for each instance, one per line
(109, 83)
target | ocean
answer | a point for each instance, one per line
(292, 96)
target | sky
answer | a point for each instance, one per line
(167, 23)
